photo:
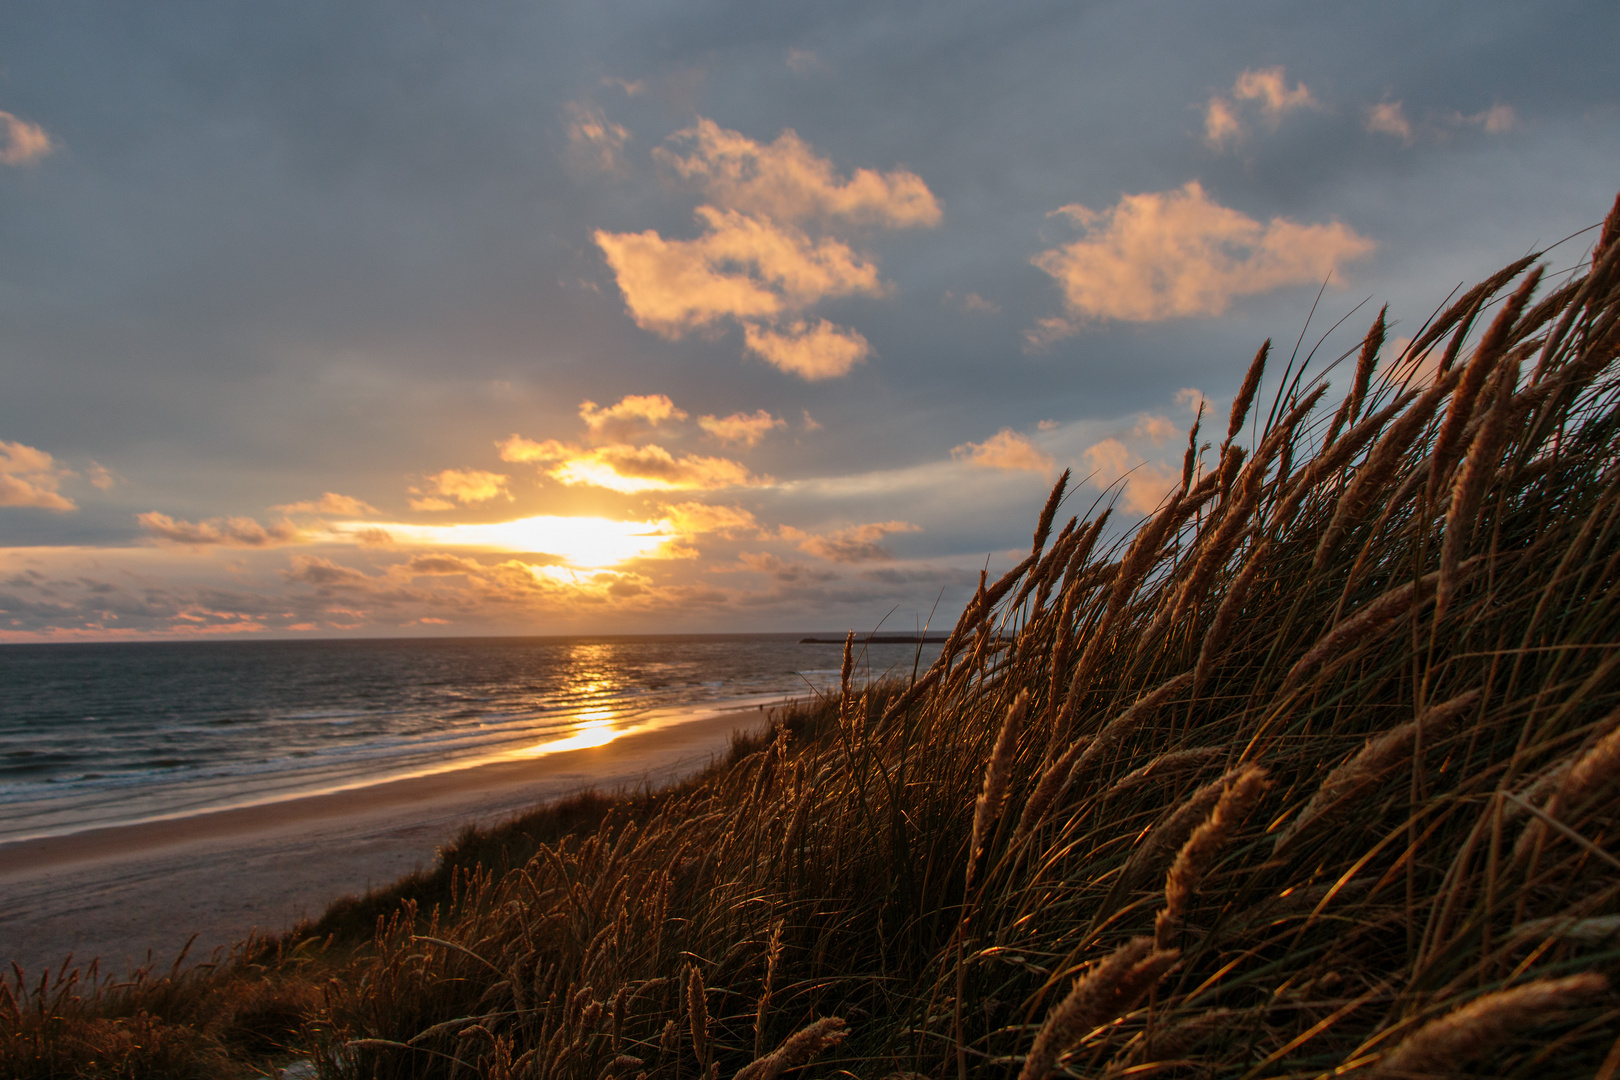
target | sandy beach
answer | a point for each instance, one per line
(118, 892)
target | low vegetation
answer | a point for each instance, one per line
(1314, 772)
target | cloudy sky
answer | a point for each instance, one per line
(456, 318)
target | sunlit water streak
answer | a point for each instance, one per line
(105, 734)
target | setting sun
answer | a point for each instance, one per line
(585, 542)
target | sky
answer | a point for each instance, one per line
(413, 318)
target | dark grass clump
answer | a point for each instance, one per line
(1316, 772)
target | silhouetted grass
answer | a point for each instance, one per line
(1313, 773)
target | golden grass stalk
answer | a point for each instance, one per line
(1470, 1033)
(1115, 731)
(1106, 992)
(1206, 842)
(773, 954)
(1049, 789)
(997, 771)
(1474, 477)
(1349, 632)
(1350, 408)
(1383, 461)
(1447, 443)
(1155, 848)
(1590, 774)
(697, 1009)
(1246, 392)
(1166, 765)
(1375, 760)
(797, 1049)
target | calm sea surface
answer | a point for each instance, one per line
(94, 735)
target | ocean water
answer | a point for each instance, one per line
(105, 734)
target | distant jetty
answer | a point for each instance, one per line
(881, 639)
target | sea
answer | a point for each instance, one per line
(102, 734)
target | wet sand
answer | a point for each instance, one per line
(118, 892)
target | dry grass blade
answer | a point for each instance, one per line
(1473, 1031)
(799, 1048)
(1351, 409)
(1114, 732)
(1374, 761)
(997, 771)
(1490, 349)
(1049, 789)
(1106, 992)
(1246, 392)
(1590, 774)
(1198, 853)
(1365, 623)
(1474, 477)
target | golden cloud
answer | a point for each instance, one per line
(1389, 118)
(30, 477)
(589, 542)
(220, 531)
(630, 412)
(630, 469)
(1145, 484)
(1006, 449)
(855, 544)
(786, 180)
(1156, 429)
(21, 142)
(1175, 254)
(746, 429)
(594, 142)
(822, 351)
(1269, 88)
(691, 518)
(753, 263)
(466, 486)
(329, 503)
(742, 267)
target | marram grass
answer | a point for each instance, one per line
(1312, 774)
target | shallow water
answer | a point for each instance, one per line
(105, 734)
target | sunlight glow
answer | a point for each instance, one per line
(585, 542)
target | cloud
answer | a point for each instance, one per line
(1006, 449)
(788, 181)
(802, 61)
(690, 518)
(331, 503)
(218, 532)
(631, 89)
(1145, 485)
(1389, 118)
(972, 303)
(630, 469)
(439, 564)
(856, 544)
(101, 477)
(1176, 254)
(630, 412)
(466, 486)
(1497, 120)
(763, 562)
(746, 429)
(594, 142)
(742, 267)
(769, 247)
(21, 142)
(30, 477)
(1156, 429)
(1266, 86)
(822, 351)
(810, 422)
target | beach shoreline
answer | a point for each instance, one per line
(117, 892)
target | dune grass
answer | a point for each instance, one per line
(1314, 772)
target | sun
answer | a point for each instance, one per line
(588, 543)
